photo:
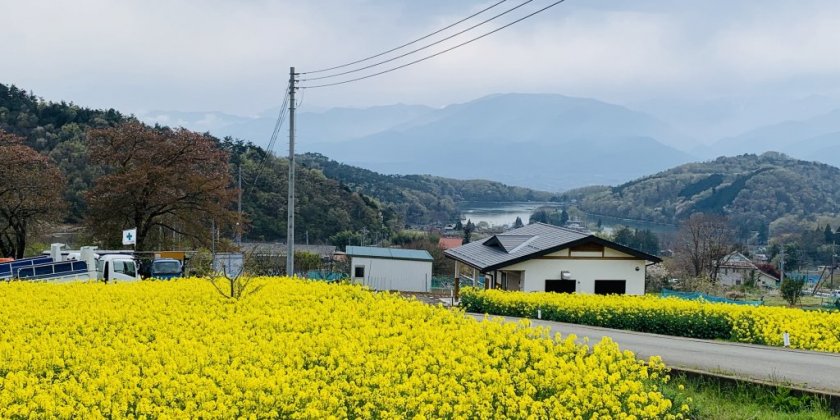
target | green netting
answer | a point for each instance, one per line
(325, 275)
(708, 298)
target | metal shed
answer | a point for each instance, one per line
(407, 270)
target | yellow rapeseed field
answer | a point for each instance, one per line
(297, 349)
(811, 330)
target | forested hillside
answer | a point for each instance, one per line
(56, 129)
(421, 198)
(59, 131)
(753, 190)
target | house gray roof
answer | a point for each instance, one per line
(528, 242)
(389, 253)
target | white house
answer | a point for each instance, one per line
(541, 257)
(736, 269)
(407, 270)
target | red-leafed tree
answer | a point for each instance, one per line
(30, 193)
(157, 179)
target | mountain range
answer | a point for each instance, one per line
(544, 141)
(816, 138)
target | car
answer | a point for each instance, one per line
(166, 268)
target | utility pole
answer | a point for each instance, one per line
(239, 209)
(833, 262)
(213, 237)
(290, 228)
(783, 263)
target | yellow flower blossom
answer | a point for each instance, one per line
(297, 349)
(809, 330)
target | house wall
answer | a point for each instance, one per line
(390, 274)
(737, 276)
(617, 266)
(767, 281)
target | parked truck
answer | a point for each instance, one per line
(84, 265)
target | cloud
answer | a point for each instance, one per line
(234, 56)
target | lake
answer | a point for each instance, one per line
(505, 213)
(499, 214)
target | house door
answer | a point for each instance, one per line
(561, 286)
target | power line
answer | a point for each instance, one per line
(435, 54)
(408, 43)
(281, 117)
(421, 48)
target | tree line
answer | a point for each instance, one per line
(64, 164)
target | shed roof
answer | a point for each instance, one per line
(527, 242)
(389, 253)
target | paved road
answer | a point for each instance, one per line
(806, 369)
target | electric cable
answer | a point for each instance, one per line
(281, 117)
(421, 48)
(435, 54)
(408, 43)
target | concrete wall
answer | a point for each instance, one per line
(583, 270)
(390, 274)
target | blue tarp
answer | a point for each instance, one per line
(708, 298)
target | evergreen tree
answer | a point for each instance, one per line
(624, 236)
(538, 216)
(564, 217)
(518, 223)
(468, 230)
(829, 234)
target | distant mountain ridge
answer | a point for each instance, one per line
(816, 138)
(543, 141)
(754, 190)
(330, 126)
(548, 142)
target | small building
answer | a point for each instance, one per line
(541, 257)
(450, 242)
(406, 270)
(736, 269)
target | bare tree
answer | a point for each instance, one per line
(703, 242)
(234, 283)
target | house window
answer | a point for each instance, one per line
(610, 287)
(359, 271)
(561, 286)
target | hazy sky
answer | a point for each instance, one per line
(234, 56)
